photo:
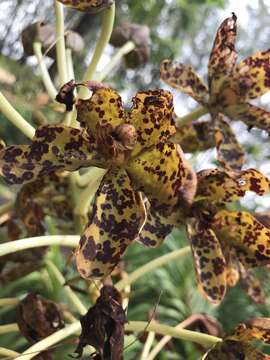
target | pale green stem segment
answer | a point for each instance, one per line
(9, 328)
(70, 294)
(7, 206)
(70, 67)
(193, 115)
(47, 81)
(9, 302)
(160, 345)
(70, 115)
(60, 42)
(13, 116)
(51, 340)
(138, 326)
(145, 269)
(125, 49)
(8, 353)
(148, 344)
(188, 335)
(106, 31)
(38, 241)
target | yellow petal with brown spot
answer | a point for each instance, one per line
(249, 238)
(53, 148)
(252, 285)
(222, 186)
(162, 174)
(152, 117)
(232, 350)
(184, 78)
(230, 153)
(103, 108)
(223, 55)
(253, 75)
(198, 136)
(157, 226)
(258, 328)
(252, 116)
(209, 262)
(117, 218)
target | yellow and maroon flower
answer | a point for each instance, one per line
(230, 85)
(225, 243)
(238, 345)
(133, 146)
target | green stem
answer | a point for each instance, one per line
(70, 294)
(47, 81)
(70, 115)
(7, 206)
(145, 269)
(4, 329)
(8, 353)
(160, 345)
(148, 344)
(106, 31)
(125, 49)
(70, 67)
(9, 302)
(199, 338)
(60, 42)
(138, 326)
(194, 115)
(51, 340)
(38, 241)
(13, 116)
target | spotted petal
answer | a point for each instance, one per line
(184, 78)
(249, 238)
(152, 117)
(238, 346)
(197, 136)
(103, 108)
(221, 186)
(117, 218)
(258, 328)
(253, 75)
(223, 55)
(230, 349)
(163, 174)
(230, 153)
(209, 262)
(157, 226)
(54, 147)
(252, 286)
(252, 116)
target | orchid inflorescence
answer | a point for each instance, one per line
(148, 187)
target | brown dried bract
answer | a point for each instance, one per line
(38, 318)
(66, 95)
(103, 326)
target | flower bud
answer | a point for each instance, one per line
(38, 32)
(140, 35)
